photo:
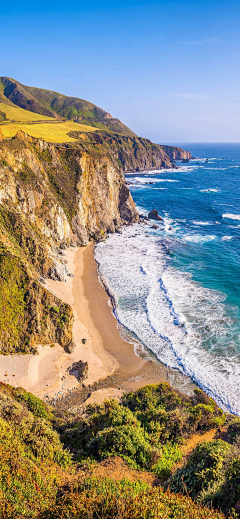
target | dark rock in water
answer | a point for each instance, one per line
(118, 231)
(170, 228)
(79, 370)
(70, 347)
(185, 161)
(154, 226)
(153, 215)
(84, 341)
(143, 217)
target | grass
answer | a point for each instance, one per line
(15, 113)
(49, 132)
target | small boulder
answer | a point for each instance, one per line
(153, 215)
(70, 347)
(154, 226)
(84, 341)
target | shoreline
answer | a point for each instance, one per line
(114, 367)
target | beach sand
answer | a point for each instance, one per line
(111, 359)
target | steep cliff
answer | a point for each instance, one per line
(175, 153)
(50, 197)
(128, 153)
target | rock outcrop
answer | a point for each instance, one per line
(175, 153)
(129, 153)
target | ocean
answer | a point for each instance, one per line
(176, 288)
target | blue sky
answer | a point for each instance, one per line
(168, 69)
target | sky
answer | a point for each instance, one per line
(168, 69)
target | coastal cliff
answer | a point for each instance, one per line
(175, 153)
(60, 190)
(50, 198)
(128, 153)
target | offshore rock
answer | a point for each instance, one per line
(153, 215)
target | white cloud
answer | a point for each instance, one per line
(200, 43)
(195, 97)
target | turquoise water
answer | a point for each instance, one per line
(176, 289)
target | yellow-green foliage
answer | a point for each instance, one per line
(31, 457)
(56, 132)
(13, 286)
(105, 499)
(15, 113)
(146, 429)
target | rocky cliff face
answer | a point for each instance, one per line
(128, 153)
(50, 197)
(175, 153)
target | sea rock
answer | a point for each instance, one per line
(143, 217)
(153, 215)
(154, 226)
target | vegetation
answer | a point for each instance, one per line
(15, 113)
(211, 475)
(49, 132)
(32, 458)
(40, 480)
(146, 430)
(27, 314)
(105, 499)
(53, 104)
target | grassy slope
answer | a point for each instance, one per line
(40, 480)
(56, 132)
(14, 113)
(53, 104)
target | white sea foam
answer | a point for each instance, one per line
(226, 238)
(175, 317)
(208, 190)
(198, 238)
(145, 180)
(231, 216)
(203, 223)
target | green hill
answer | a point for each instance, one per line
(53, 104)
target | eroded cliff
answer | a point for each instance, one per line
(50, 197)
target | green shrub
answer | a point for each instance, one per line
(34, 404)
(105, 499)
(211, 475)
(171, 454)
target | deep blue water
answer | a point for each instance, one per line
(177, 288)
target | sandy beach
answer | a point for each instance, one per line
(110, 359)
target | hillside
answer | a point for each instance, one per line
(53, 104)
(94, 466)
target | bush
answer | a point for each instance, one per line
(105, 499)
(211, 475)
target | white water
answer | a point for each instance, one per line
(169, 312)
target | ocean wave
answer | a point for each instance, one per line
(144, 180)
(226, 238)
(231, 216)
(198, 238)
(208, 190)
(203, 223)
(183, 323)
